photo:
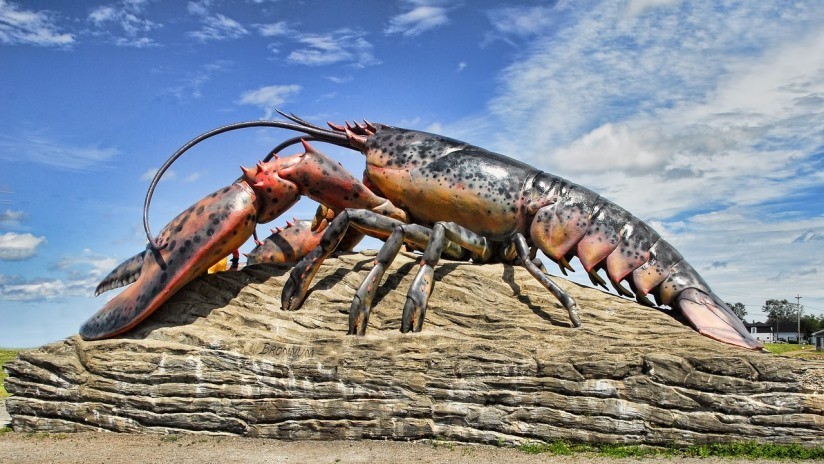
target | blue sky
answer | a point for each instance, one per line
(705, 119)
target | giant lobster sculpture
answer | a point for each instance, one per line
(436, 194)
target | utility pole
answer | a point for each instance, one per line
(798, 316)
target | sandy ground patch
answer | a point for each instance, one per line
(106, 448)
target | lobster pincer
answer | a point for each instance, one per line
(219, 224)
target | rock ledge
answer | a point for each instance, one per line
(497, 362)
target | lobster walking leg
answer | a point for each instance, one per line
(362, 302)
(368, 222)
(418, 296)
(523, 254)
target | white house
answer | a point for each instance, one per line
(761, 331)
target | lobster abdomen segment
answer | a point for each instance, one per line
(602, 234)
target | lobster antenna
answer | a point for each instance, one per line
(299, 125)
(293, 117)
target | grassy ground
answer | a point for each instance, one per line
(6, 355)
(791, 349)
(733, 450)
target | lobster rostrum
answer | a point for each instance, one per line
(468, 202)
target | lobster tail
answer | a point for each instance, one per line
(713, 318)
(605, 236)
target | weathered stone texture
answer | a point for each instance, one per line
(497, 362)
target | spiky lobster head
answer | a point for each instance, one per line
(274, 194)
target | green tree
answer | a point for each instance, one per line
(779, 310)
(810, 323)
(739, 309)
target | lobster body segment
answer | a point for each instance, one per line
(436, 178)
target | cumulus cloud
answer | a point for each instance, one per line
(269, 98)
(700, 105)
(341, 46)
(28, 27)
(423, 16)
(19, 247)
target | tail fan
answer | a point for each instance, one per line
(713, 318)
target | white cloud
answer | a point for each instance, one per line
(219, 27)
(11, 219)
(10, 215)
(277, 29)
(341, 46)
(19, 26)
(421, 18)
(638, 7)
(191, 86)
(199, 8)
(340, 80)
(122, 21)
(18, 247)
(38, 148)
(149, 175)
(46, 289)
(81, 274)
(269, 98)
(520, 21)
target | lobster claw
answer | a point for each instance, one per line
(196, 239)
(291, 244)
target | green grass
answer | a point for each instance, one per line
(796, 351)
(734, 450)
(6, 355)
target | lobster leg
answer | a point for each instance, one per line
(569, 303)
(362, 302)
(418, 296)
(368, 222)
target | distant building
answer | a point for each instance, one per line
(818, 340)
(761, 331)
(787, 332)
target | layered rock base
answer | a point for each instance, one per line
(497, 362)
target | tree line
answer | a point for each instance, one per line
(783, 312)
